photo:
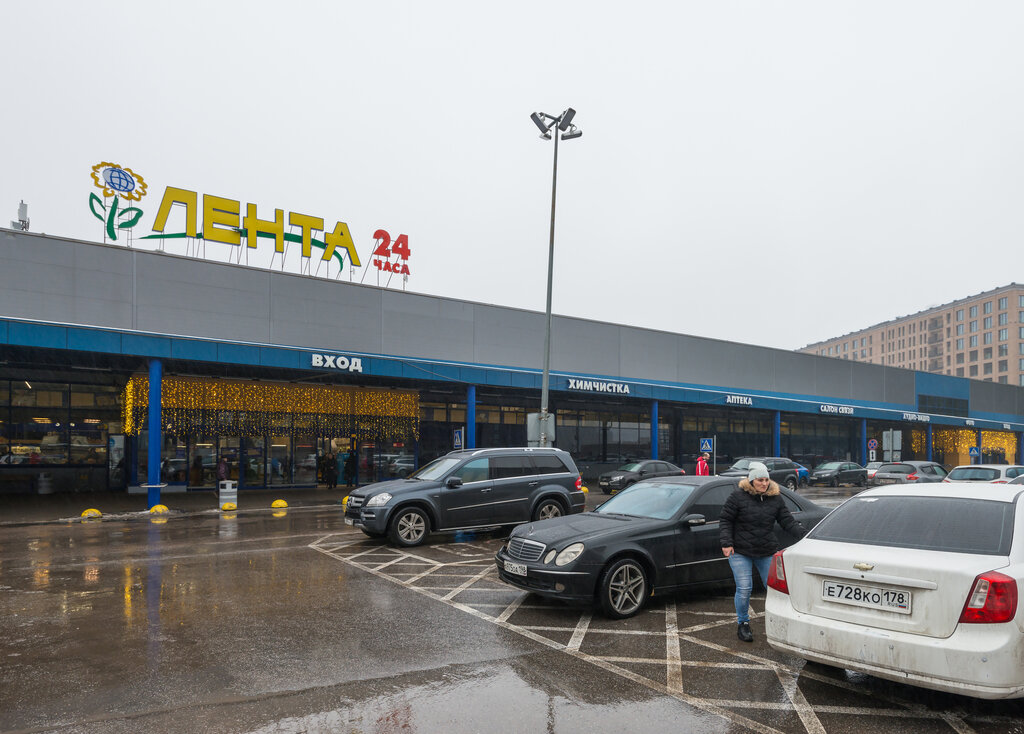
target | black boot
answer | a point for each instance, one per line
(744, 633)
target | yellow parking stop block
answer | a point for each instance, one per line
(229, 507)
(158, 509)
(279, 503)
(92, 512)
(344, 502)
(584, 488)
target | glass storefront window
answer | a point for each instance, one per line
(998, 447)
(173, 460)
(39, 435)
(202, 462)
(279, 454)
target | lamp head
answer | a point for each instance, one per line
(566, 119)
(539, 122)
(546, 135)
(573, 132)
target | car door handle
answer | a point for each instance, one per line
(534, 484)
(485, 489)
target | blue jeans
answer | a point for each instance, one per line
(743, 572)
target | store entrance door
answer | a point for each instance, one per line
(255, 465)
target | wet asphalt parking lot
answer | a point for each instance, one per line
(289, 621)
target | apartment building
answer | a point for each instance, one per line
(980, 337)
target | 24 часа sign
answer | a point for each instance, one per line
(223, 221)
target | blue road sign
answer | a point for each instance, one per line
(975, 452)
(457, 441)
(873, 444)
(706, 445)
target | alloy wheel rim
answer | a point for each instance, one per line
(626, 589)
(549, 511)
(410, 527)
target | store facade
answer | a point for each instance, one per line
(124, 368)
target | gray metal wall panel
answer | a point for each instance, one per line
(992, 397)
(868, 382)
(900, 386)
(713, 362)
(327, 315)
(586, 347)
(421, 326)
(183, 296)
(650, 355)
(509, 337)
(796, 375)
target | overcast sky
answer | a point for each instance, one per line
(773, 173)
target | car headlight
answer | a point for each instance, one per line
(617, 478)
(569, 555)
(378, 499)
(550, 556)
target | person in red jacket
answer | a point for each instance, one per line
(703, 470)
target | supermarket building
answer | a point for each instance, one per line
(110, 355)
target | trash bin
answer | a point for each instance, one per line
(228, 492)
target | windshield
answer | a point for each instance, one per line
(435, 469)
(659, 500)
(742, 464)
(629, 467)
(895, 469)
(827, 466)
(973, 474)
(952, 524)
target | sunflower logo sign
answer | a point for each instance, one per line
(116, 182)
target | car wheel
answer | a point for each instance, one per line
(791, 483)
(547, 509)
(371, 534)
(623, 589)
(409, 527)
(834, 482)
(862, 481)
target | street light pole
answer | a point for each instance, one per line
(563, 128)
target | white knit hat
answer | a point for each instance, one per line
(757, 471)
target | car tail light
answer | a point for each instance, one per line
(993, 599)
(912, 477)
(579, 481)
(777, 574)
(947, 479)
(998, 481)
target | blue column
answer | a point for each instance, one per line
(471, 417)
(863, 441)
(153, 469)
(929, 457)
(777, 434)
(654, 429)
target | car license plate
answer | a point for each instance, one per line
(603, 482)
(349, 521)
(873, 597)
(519, 569)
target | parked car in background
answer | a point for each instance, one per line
(478, 488)
(908, 472)
(803, 474)
(872, 467)
(834, 473)
(996, 473)
(918, 586)
(612, 481)
(402, 467)
(781, 470)
(651, 538)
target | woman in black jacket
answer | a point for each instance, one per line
(747, 534)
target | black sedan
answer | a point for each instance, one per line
(654, 537)
(627, 474)
(834, 473)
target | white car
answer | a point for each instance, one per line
(998, 473)
(911, 583)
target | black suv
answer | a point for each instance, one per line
(781, 470)
(469, 489)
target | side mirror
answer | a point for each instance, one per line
(453, 482)
(693, 520)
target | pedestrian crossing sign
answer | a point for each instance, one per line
(705, 445)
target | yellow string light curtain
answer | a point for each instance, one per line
(199, 406)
